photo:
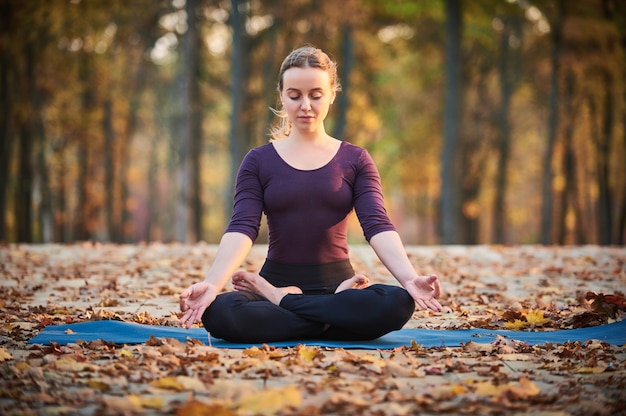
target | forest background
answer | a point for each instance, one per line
(491, 121)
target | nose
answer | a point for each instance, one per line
(306, 104)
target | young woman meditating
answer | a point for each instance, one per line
(307, 183)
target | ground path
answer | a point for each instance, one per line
(520, 287)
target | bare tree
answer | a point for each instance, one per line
(238, 143)
(187, 182)
(553, 118)
(450, 182)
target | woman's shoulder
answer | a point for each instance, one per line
(354, 152)
(262, 149)
(260, 152)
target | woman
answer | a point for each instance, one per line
(307, 183)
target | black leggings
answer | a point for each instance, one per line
(353, 314)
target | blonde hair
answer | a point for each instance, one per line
(304, 57)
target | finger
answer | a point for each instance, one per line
(421, 303)
(197, 316)
(434, 305)
(437, 285)
(190, 320)
(183, 320)
(186, 293)
(183, 303)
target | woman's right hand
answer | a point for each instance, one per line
(193, 302)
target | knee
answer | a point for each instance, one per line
(400, 304)
(218, 318)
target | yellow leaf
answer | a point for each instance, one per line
(69, 364)
(591, 370)
(98, 385)
(308, 354)
(254, 352)
(369, 358)
(180, 383)
(517, 324)
(521, 390)
(532, 318)
(447, 392)
(22, 366)
(125, 353)
(487, 388)
(150, 402)
(4, 355)
(198, 408)
(536, 318)
(269, 402)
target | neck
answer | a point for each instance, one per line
(317, 136)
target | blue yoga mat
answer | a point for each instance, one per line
(130, 333)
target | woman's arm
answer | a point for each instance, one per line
(424, 289)
(232, 251)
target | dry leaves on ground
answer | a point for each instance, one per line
(519, 288)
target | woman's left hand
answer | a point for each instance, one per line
(425, 290)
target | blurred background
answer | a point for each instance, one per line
(491, 121)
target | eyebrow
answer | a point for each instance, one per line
(314, 89)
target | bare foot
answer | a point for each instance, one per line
(254, 282)
(355, 282)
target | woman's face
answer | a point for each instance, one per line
(306, 96)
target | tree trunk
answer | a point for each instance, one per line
(41, 177)
(61, 229)
(238, 143)
(80, 231)
(603, 145)
(507, 79)
(123, 228)
(23, 202)
(473, 156)
(195, 120)
(553, 119)
(450, 212)
(109, 172)
(186, 229)
(615, 11)
(347, 55)
(6, 139)
(567, 193)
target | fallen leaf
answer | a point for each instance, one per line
(150, 402)
(179, 383)
(4, 355)
(199, 408)
(523, 389)
(120, 405)
(308, 354)
(269, 402)
(472, 346)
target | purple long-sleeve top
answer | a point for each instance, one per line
(307, 210)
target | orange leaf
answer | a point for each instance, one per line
(198, 408)
(180, 383)
(4, 355)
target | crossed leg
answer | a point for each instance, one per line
(254, 282)
(261, 312)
